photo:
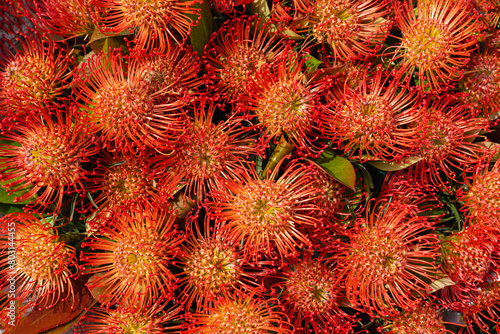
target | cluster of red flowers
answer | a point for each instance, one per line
(303, 166)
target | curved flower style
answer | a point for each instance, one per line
(489, 11)
(158, 23)
(481, 82)
(243, 314)
(438, 39)
(207, 154)
(351, 29)
(284, 102)
(119, 102)
(68, 18)
(237, 50)
(132, 256)
(311, 297)
(152, 320)
(43, 267)
(447, 131)
(388, 260)
(52, 148)
(374, 120)
(228, 6)
(265, 215)
(37, 74)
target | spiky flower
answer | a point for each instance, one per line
(388, 260)
(447, 131)
(349, 29)
(438, 38)
(131, 258)
(266, 215)
(284, 101)
(207, 153)
(120, 103)
(158, 23)
(374, 120)
(47, 153)
(238, 49)
(245, 314)
(43, 267)
(311, 296)
(482, 308)
(37, 74)
(228, 6)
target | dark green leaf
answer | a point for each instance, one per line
(338, 167)
(200, 34)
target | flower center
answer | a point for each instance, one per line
(151, 13)
(334, 21)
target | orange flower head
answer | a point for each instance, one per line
(243, 315)
(44, 267)
(423, 318)
(265, 215)
(237, 50)
(388, 260)
(52, 148)
(158, 23)
(132, 257)
(438, 39)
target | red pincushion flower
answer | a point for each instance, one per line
(284, 102)
(158, 23)
(438, 39)
(132, 257)
(228, 6)
(238, 49)
(53, 147)
(349, 29)
(43, 266)
(120, 102)
(388, 260)
(374, 120)
(265, 215)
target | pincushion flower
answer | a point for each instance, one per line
(119, 102)
(388, 260)
(438, 38)
(44, 267)
(157, 23)
(238, 49)
(34, 76)
(245, 313)
(131, 258)
(349, 29)
(207, 153)
(311, 296)
(266, 216)
(447, 131)
(228, 6)
(49, 159)
(284, 101)
(372, 121)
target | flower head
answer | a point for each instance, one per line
(50, 155)
(132, 257)
(44, 267)
(438, 39)
(387, 260)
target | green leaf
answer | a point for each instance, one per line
(9, 208)
(338, 167)
(312, 63)
(9, 199)
(200, 34)
(391, 166)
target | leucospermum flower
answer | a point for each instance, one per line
(207, 153)
(228, 6)
(119, 102)
(438, 38)
(34, 76)
(47, 154)
(131, 258)
(284, 101)
(243, 314)
(158, 23)
(372, 121)
(388, 260)
(349, 29)
(447, 131)
(311, 296)
(265, 215)
(44, 267)
(237, 50)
